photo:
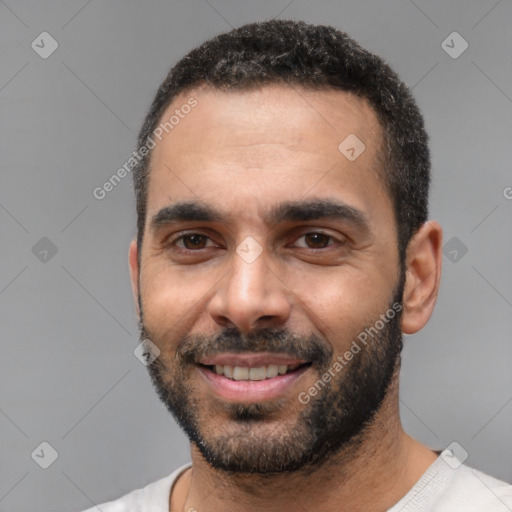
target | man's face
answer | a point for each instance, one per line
(266, 253)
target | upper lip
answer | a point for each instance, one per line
(250, 360)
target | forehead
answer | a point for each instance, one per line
(279, 114)
(260, 145)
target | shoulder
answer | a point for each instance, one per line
(152, 497)
(460, 488)
(473, 490)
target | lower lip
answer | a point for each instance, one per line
(250, 391)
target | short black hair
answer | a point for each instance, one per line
(314, 57)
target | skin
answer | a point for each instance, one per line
(242, 153)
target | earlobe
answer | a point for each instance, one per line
(134, 273)
(423, 275)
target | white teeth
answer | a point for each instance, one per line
(259, 373)
(272, 371)
(240, 373)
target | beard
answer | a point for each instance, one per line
(256, 438)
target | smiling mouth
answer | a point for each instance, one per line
(245, 373)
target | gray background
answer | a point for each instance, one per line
(68, 373)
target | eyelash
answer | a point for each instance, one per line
(174, 243)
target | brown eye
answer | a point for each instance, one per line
(194, 241)
(316, 240)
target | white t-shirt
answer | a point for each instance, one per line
(440, 489)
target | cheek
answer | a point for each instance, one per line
(342, 303)
(173, 299)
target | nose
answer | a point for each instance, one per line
(250, 296)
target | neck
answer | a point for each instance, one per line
(372, 474)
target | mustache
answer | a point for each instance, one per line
(277, 340)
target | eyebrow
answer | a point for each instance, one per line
(290, 211)
(294, 211)
(183, 212)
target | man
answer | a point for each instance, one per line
(283, 248)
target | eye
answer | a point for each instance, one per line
(315, 240)
(193, 241)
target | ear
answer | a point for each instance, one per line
(133, 254)
(423, 276)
